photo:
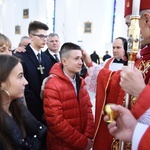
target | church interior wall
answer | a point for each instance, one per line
(70, 17)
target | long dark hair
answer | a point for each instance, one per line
(7, 63)
(124, 41)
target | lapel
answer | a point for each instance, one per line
(47, 52)
(43, 59)
(33, 59)
(51, 57)
(31, 55)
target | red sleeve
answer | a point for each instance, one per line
(145, 141)
(89, 131)
(142, 104)
(90, 64)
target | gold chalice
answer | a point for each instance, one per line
(112, 114)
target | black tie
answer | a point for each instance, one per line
(39, 58)
(56, 57)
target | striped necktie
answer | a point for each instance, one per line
(56, 57)
(39, 58)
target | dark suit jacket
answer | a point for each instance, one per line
(95, 58)
(53, 60)
(34, 78)
(106, 56)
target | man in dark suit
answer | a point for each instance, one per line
(53, 44)
(95, 57)
(36, 65)
(106, 56)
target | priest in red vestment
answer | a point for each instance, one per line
(106, 83)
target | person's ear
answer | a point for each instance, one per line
(31, 36)
(147, 18)
(3, 85)
(63, 60)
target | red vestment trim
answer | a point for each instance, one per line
(108, 63)
(142, 103)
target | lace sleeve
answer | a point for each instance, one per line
(91, 79)
(145, 118)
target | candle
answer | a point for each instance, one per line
(136, 7)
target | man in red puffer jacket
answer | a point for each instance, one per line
(67, 104)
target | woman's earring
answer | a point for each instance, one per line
(8, 94)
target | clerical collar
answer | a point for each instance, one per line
(35, 51)
(118, 61)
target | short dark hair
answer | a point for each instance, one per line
(125, 46)
(35, 25)
(67, 47)
(124, 41)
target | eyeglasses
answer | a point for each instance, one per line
(40, 36)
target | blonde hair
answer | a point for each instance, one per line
(4, 40)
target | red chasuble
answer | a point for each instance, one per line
(106, 93)
(109, 91)
(143, 101)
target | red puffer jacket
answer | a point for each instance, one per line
(69, 121)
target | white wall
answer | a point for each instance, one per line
(120, 27)
(75, 13)
(70, 18)
(12, 15)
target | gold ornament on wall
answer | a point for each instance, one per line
(17, 29)
(25, 13)
(88, 27)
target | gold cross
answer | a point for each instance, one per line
(41, 68)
